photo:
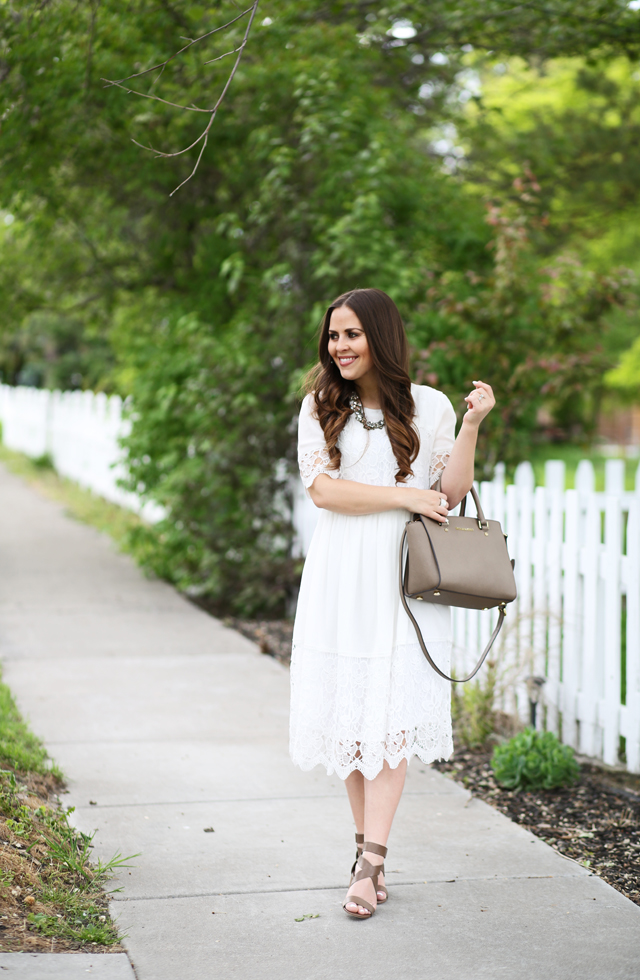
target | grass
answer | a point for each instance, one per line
(571, 455)
(79, 503)
(51, 894)
(19, 748)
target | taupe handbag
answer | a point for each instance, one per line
(463, 562)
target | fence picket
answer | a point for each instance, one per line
(610, 653)
(571, 619)
(630, 712)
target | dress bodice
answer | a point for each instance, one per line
(366, 454)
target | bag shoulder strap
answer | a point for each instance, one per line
(423, 647)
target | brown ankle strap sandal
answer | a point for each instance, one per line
(364, 869)
(359, 843)
(382, 851)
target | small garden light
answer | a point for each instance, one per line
(534, 688)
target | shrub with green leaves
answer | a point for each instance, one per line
(534, 760)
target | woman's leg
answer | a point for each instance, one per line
(381, 798)
(355, 791)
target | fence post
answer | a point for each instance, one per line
(571, 621)
(554, 474)
(552, 693)
(525, 483)
(585, 477)
(588, 678)
(610, 652)
(631, 711)
(538, 664)
(614, 475)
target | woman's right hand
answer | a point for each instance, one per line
(429, 503)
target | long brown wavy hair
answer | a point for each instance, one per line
(384, 330)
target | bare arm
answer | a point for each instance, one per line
(457, 478)
(355, 499)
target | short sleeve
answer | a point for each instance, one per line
(443, 440)
(313, 456)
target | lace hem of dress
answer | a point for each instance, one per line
(352, 714)
(313, 464)
(437, 466)
(428, 744)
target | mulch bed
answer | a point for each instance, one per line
(273, 636)
(597, 822)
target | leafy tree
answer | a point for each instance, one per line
(625, 377)
(576, 125)
(534, 328)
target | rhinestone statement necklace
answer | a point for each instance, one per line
(356, 407)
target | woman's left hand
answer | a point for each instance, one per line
(479, 403)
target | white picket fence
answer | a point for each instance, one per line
(80, 430)
(576, 622)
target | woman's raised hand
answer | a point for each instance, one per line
(429, 503)
(479, 403)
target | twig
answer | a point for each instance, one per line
(220, 57)
(193, 41)
(204, 135)
(156, 98)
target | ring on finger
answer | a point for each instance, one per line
(480, 396)
(443, 502)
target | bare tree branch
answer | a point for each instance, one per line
(163, 64)
(156, 98)
(204, 135)
(220, 57)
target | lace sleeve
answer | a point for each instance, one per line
(437, 466)
(313, 457)
(443, 441)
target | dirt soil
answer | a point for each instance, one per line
(597, 822)
(20, 861)
(273, 636)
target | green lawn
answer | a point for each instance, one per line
(571, 455)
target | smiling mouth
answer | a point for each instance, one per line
(345, 361)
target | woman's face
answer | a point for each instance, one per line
(348, 345)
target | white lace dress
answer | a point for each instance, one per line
(361, 689)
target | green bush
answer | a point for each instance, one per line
(534, 760)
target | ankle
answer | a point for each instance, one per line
(375, 859)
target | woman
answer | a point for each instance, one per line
(371, 446)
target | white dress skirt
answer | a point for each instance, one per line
(361, 689)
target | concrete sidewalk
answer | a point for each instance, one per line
(167, 724)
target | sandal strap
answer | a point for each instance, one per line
(366, 870)
(354, 900)
(375, 848)
(359, 843)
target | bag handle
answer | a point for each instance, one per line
(479, 511)
(482, 523)
(494, 635)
